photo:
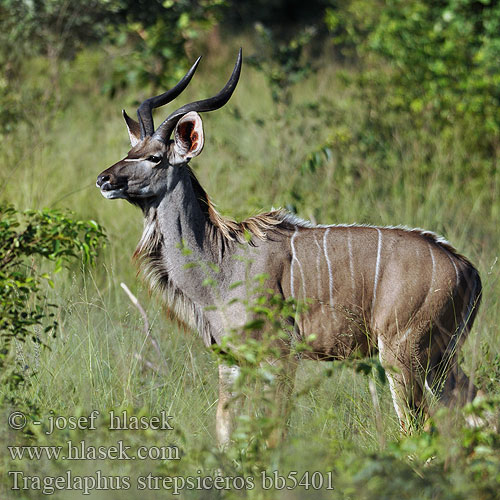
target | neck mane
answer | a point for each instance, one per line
(253, 228)
(225, 228)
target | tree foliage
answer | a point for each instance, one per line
(147, 43)
(442, 58)
(26, 239)
(156, 35)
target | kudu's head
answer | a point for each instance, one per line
(152, 165)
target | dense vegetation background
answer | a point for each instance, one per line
(381, 112)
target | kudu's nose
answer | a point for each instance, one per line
(102, 178)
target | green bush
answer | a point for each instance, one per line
(153, 37)
(447, 462)
(25, 237)
(437, 61)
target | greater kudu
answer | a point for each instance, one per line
(405, 293)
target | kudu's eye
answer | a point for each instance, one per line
(154, 158)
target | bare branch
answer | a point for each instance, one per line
(150, 365)
(147, 330)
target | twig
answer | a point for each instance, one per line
(147, 363)
(147, 330)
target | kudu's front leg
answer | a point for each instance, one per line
(226, 409)
(279, 393)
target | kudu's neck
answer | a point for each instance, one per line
(179, 237)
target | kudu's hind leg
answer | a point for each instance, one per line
(439, 376)
(450, 332)
(459, 390)
(226, 407)
(447, 382)
(404, 384)
(282, 398)
(420, 373)
(444, 379)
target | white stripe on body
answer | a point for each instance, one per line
(405, 336)
(377, 267)
(318, 266)
(294, 258)
(455, 267)
(329, 266)
(433, 269)
(351, 260)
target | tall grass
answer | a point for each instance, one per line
(250, 163)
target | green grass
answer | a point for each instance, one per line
(252, 161)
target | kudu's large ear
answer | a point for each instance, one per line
(188, 138)
(134, 129)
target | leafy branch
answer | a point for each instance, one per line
(25, 237)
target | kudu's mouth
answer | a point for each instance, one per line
(113, 193)
(109, 190)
